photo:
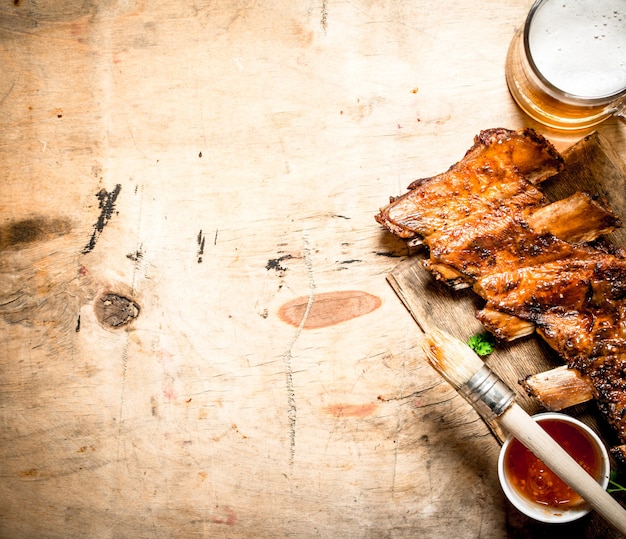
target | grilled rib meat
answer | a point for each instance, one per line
(590, 281)
(607, 375)
(484, 247)
(478, 249)
(487, 224)
(499, 173)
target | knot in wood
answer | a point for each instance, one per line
(115, 311)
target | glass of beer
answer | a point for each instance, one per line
(566, 67)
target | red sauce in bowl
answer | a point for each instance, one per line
(533, 480)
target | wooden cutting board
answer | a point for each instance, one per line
(590, 165)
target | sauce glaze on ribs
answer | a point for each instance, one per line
(498, 174)
(487, 224)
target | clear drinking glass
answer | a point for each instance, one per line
(566, 67)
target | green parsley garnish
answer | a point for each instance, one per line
(614, 486)
(482, 343)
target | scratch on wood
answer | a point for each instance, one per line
(200, 240)
(134, 309)
(7, 93)
(122, 399)
(107, 206)
(397, 434)
(324, 20)
(287, 357)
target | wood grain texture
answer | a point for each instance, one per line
(211, 162)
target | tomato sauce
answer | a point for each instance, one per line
(533, 480)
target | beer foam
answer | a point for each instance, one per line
(580, 46)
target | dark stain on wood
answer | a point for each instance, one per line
(31, 472)
(329, 308)
(389, 254)
(274, 263)
(343, 264)
(106, 203)
(136, 256)
(19, 234)
(114, 311)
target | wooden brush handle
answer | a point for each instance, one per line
(523, 427)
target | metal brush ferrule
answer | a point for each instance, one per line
(487, 393)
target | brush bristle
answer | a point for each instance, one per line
(451, 358)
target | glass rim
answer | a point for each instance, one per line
(596, 100)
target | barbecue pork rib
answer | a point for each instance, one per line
(498, 174)
(487, 224)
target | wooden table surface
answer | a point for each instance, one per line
(197, 335)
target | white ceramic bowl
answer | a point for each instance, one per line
(544, 513)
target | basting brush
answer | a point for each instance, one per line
(489, 395)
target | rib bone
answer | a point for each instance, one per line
(504, 326)
(577, 218)
(559, 388)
